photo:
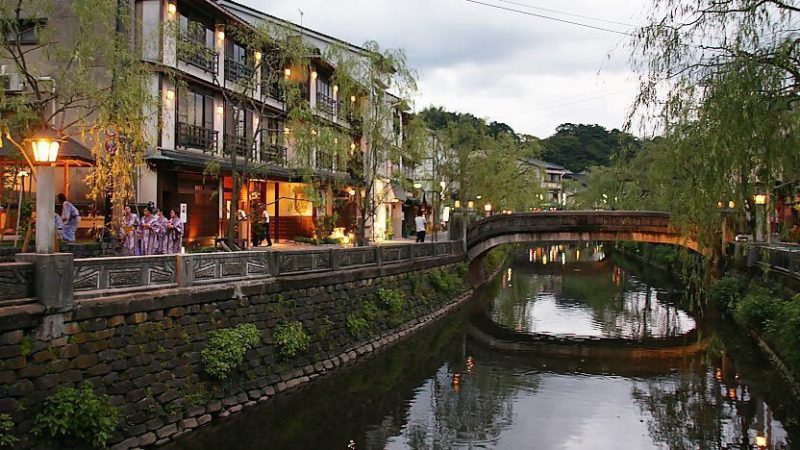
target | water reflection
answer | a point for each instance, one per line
(444, 389)
(585, 295)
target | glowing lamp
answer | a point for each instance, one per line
(761, 441)
(760, 199)
(287, 72)
(442, 185)
(220, 35)
(417, 185)
(470, 204)
(257, 56)
(335, 88)
(172, 8)
(220, 110)
(45, 150)
(170, 94)
(719, 205)
(487, 207)
(731, 204)
(352, 99)
(479, 197)
(458, 204)
(351, 191)
(314, 75)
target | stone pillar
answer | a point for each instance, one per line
(45, 209)
(52, 279)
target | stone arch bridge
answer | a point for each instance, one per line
(567, 226)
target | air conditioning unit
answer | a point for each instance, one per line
(11, 81)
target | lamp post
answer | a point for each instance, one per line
(488, 208)
(22, 174)
(45, 153)
(761, 201)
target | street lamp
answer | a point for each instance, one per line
(488, 208)
(761, 201)
(470, 204)
(45, 153)
(417, 185)
(457, 204)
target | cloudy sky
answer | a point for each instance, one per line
(529, 72)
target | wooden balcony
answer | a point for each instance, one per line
(193, 136)
(197, 54)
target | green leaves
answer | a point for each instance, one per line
(77, 414)
(7, 439)
(226, 349)
(291, 339)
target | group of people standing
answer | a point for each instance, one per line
(153, 233)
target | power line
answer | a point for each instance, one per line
(556, 19)
(565, 13)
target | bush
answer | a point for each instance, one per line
(7, 438)
(392, 299)
(445, 282)
(356, 324)
(291, 339)
(726, 291)
(757, 308)
(77, 414)
(663, 254)
(226, 349)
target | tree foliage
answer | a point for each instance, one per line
(578, 146)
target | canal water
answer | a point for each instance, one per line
(568, 348)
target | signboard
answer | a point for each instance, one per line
(183, 213)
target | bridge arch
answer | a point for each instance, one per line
(572, 226)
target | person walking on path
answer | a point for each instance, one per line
(71, 217)
(174, 237)
(420, 222)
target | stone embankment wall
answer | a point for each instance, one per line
(144, 349)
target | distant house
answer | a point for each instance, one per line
(551, 178)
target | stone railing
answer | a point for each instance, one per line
(95, 277)
(781, 258)
(16, 281)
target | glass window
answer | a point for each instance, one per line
(196, 31)
(324, 85)
(195, 108)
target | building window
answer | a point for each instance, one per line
(196, 120)
(238, 64)
(555, 178)
(238, 130)
(26, 31)
(197, 44)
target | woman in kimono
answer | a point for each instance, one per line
(71, 218)
(174, 237)
(162, 232)
(130, 225)
(150, 228)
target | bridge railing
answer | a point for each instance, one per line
(567, 221)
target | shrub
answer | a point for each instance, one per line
(7, 438)
(757, 309)
(663, 254)
(726, 291)
(369, 311)
(77, 414)
(356, 324)
(392, 299)
(445, 282)
(226, 349)
(291, 338)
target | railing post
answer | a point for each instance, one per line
(378, 255)
(182, 275)
(53, 279)
(336, 258)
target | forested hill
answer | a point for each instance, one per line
(578, 147)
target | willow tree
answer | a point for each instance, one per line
(88, 84)
(721, 81)
(374, 84)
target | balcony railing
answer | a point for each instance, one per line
(197, 54)
(193, 136)
(273, 89)
(239, 144)
(324, 160)
(327, 104)
(273, 154)
(236, 71)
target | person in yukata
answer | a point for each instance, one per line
(130, 225)
(71, 217)
(150, 227)
(162, 231)
(59, 223)
(174, 237)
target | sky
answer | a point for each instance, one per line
(528, 72)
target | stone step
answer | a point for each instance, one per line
(17, 302)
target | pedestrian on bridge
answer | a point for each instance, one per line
(420, 222)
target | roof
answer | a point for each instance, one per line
(546, 165)
(235, 7)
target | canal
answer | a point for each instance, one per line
(568, 348)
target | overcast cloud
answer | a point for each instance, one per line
(531, 73)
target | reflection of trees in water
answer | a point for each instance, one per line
(697, 411)
(619, 304)
(475, 410)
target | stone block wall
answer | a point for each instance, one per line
(144, 349)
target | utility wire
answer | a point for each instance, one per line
(565, 13)
(556, 19)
